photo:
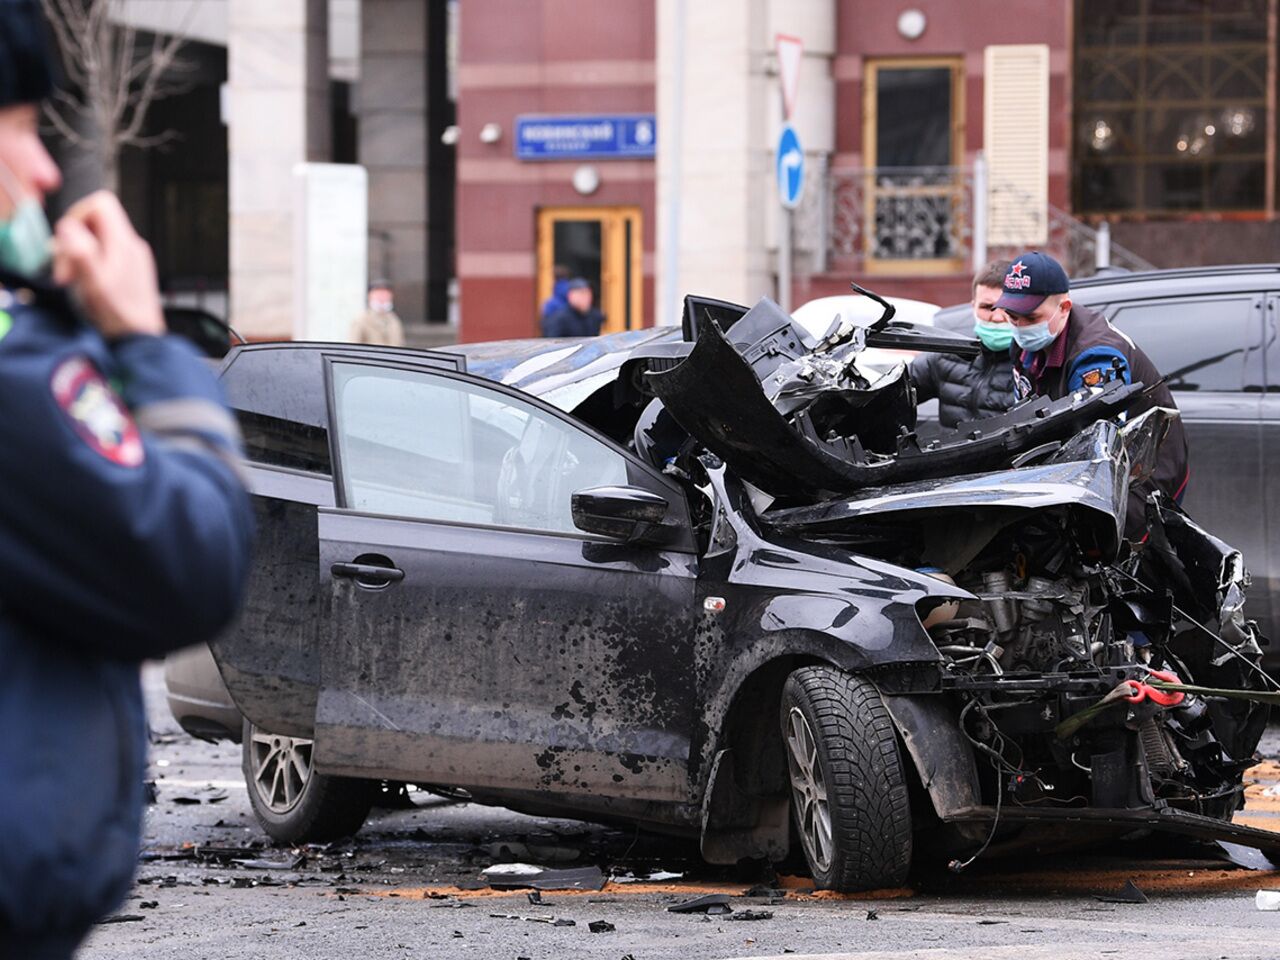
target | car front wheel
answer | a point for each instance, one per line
(848, 791)
(294, 803)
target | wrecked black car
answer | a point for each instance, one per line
(722, 585)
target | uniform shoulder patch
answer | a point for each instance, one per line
(1091, 378)
(96, 412)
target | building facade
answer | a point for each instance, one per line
(936, 133)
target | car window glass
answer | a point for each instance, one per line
(436, 448)
(276, 398)
(1200, 344)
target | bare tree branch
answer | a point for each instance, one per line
(115, 75)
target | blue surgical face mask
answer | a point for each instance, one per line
(994, 336)
(25, 238)
(1034, 338)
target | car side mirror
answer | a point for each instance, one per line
(620, 513)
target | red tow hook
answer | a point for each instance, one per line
(1143, 691)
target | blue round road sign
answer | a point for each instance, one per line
(790, 168)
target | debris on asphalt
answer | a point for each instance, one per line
(265, 864)
(520, 851)
(1129, 893)
(764, 890)
(872, 915)
(189, 799)
(653, 876)
(1251, 858)
(990, 923)
(550, 921)
(535, 896)
(1267, 899)
(601, 926)
(713, 903)
(122, 918)
(515, 876)
(148, 904)
(753, 915)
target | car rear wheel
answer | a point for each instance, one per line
(294, 803)
(848, 791)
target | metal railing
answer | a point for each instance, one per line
(926, 217)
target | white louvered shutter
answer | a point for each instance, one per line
(1016, 142)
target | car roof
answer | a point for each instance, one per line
(1182, 281)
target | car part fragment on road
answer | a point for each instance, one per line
(516, 876)
(712, 903)
(1129, 893)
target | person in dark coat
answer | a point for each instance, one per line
(578, 317)
(1062, 348)
(970, 389)
(559, 287)
(125, 530)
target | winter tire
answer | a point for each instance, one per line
(848, 792)
(294, 803)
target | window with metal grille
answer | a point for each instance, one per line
(1171, 107)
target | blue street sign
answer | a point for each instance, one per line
(586, 137)
(790, 168)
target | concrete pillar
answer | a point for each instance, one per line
(731, 115)
(278, 116)
(392, 109)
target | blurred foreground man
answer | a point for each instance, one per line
(982, 387)
(1063, 348)
(124, 529)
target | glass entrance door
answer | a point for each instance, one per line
(604, 246)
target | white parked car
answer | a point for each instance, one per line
(816, 317)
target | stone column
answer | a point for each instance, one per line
(731, 119)
(392, 110)
(278, 114)
(721, 181)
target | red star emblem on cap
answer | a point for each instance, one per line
(1017, 269)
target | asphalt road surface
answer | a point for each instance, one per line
(409, 887)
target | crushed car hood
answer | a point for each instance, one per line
(844, 434)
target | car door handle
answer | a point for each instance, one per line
(367, 573)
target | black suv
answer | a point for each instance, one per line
(1212, 331)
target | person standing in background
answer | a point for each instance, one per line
(379, 325)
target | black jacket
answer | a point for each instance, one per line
(568, 322)
(966, 389)
(124, 534)
(1093, 352)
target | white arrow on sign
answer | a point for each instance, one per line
(790, 52)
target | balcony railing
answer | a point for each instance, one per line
(921, 220)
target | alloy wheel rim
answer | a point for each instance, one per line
(281, 769)
(809, 790)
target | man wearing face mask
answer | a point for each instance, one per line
(1062, 348)
(982, 387)
(124, 528)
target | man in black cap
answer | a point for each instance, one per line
(124, 528)
(578, 317)
(1062, 348)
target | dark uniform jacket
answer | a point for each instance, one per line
(124, 534)
(966, 389)
(568, 322)
(1087, 353)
